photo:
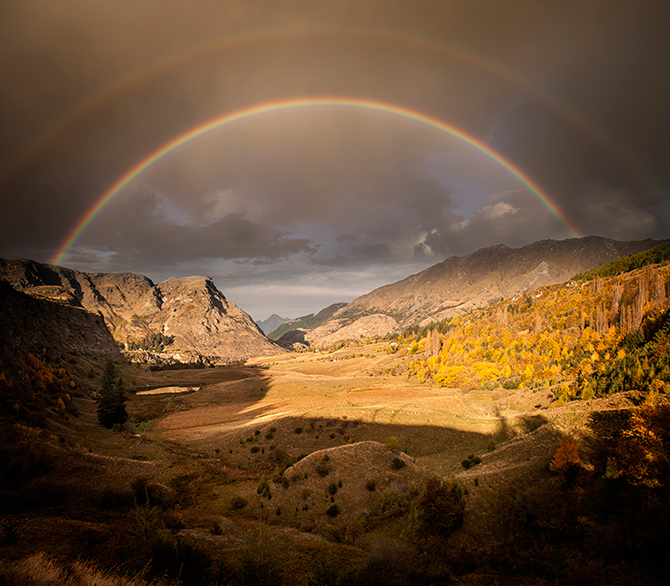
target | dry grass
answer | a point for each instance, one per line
(210, 450)
(41, 570)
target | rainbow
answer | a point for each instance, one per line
(295, 104)
(238, 40)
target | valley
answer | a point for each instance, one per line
(522, 442)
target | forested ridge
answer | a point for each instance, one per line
(588, 337)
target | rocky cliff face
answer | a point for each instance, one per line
(192, 310)
(460, 284)
(51, 330)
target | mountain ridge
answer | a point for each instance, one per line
(201, 322)
(459, 284)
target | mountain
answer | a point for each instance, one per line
(51, 330)
(185, 318)
(272, 323)
(310, 321)
(460, 284)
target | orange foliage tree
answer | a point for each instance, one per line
(566, 457)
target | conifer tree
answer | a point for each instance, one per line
(112, 401)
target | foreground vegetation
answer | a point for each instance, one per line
(524, 443)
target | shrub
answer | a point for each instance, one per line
(471, 461)
(333, 511)
(277, 456)
(298, 430)
(9, 532)
(322, 468)
(393, 502)
(116, 498)
(237, 503)
(397, 463)
(255, 449)
(42, 492)
(178, 559)
(371, 485)
(260, 559)
(332, 488)
(566, 456)
(264, 488)
(441, 508)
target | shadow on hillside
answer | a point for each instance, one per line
(522, 425)
(229, 415)
(230, 391)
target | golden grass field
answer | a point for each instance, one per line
(284, 439)
(242, 414)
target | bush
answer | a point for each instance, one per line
(178, 559)
(9, 532)
(371, 485)
(237, 503)
(392, 443)
(441, 508)
(397, 463)
(116, 498)
(260, 559)
(393, 502)
(322, 468)
(333, 511)
(471, 461)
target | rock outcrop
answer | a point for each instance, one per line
(52, 330)
(190, 311)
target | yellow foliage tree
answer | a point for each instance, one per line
(640, 452)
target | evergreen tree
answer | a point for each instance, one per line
(112, 401)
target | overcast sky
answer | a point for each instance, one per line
(292, 210)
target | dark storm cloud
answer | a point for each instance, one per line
(573, 93)
(137, 233)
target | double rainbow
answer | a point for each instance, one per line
(295, 104)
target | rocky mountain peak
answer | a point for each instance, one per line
(190, 310)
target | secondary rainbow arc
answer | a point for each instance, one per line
(293, 104)
(555, 103)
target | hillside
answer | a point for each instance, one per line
(296, 326)
(585, 338)
(526, 442)
(190, 317)
(460, 284)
